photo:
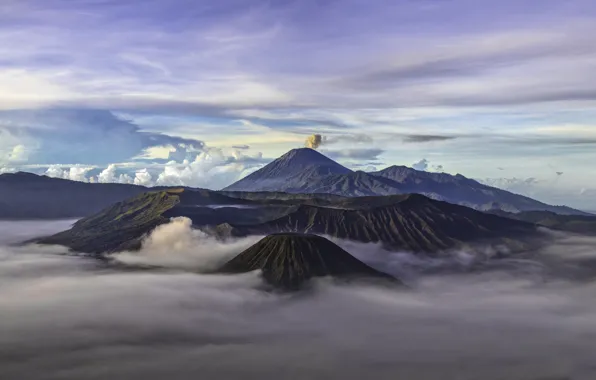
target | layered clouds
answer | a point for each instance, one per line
(96, 84)
(68, 317)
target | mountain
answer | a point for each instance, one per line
(288, 260)
(464, 191)
(123, 225)
(307, 171)
(401, 222)
(300, 176)
(290, 172)
(30, 196)
(412, 223)
(580, 224)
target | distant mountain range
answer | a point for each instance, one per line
(300, 171)
(30, 196)
(308, 171)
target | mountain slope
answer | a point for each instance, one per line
(288, 260)
(30, 196)
(414, 223)
(123, 225)
(290, 172)
(355, 184)
(307, 171)
(464, 191)
(400, 222)
(581, 224)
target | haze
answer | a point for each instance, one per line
(67, 317)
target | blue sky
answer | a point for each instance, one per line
(202, 92)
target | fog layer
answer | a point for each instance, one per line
(69, 317)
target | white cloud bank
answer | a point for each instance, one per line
(66, 317)
(212, 168)
(177, 245)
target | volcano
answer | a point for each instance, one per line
(288, 260)
(290, 172)
(307, 171)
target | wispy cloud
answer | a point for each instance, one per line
(473, 86)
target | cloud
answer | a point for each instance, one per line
(83, 136)
(143, 178)
(213, 169)
(72, 318)
(425, 165)
(470, 76)
(74, 173)
(421, 165)
(358, 154)
(513, 183)
(426, 138)
(109, 175)
(316, 140)
(177, 245)
(357, 138)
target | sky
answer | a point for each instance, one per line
(201, 93)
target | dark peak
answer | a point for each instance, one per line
(297, 159)
(399, 168)
(22, 177)
(303, 156)
(287, 260)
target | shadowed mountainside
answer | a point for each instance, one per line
(585, 225)
(307, 171)
(123, 225)
(288, 260)
(407, 222)
(299, 176)
(464, 191)
(290, 172)
(30, 196)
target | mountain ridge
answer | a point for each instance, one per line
(392, 180)
(413, 223)
(298, 173)
(409, 222)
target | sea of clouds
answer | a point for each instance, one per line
(64, 316)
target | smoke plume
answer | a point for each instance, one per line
(314, 141)
(177, 245)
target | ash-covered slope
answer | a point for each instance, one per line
(123, 225)
(290, 172)
(287, 260)
(413, 223)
